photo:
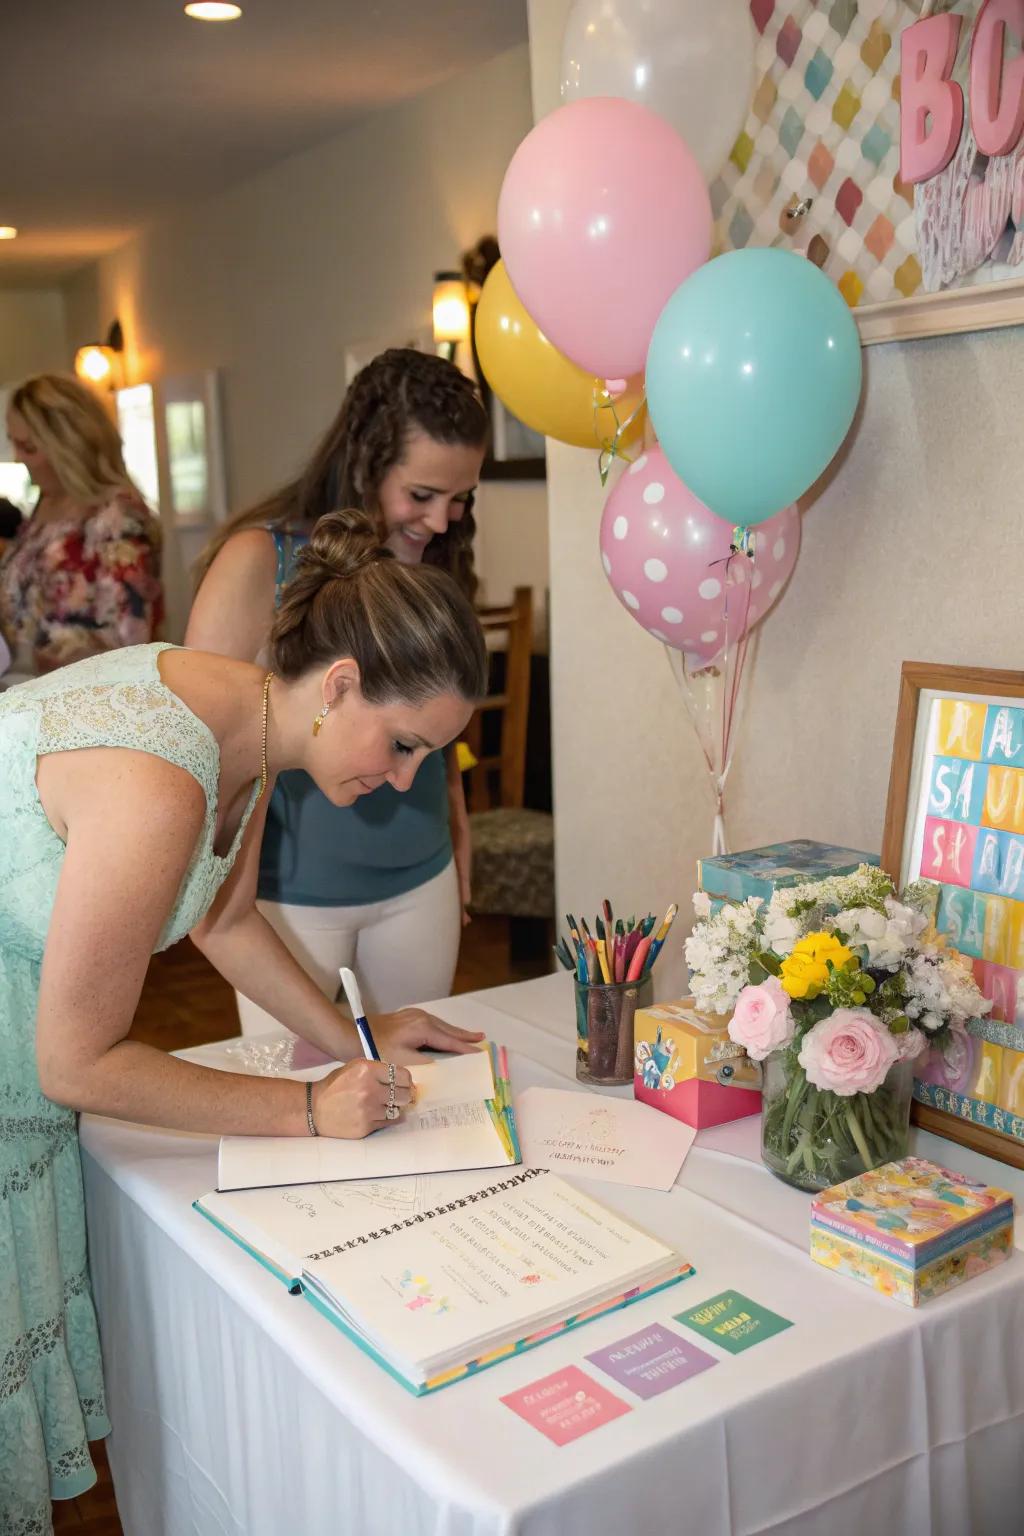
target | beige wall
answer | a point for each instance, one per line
(33, 338)
(272, 281)
(914, 550)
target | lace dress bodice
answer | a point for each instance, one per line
(117, 699)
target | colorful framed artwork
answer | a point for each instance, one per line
(884, 142)
(955, 820)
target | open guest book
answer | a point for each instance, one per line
(438, 1277)
(462, 1118)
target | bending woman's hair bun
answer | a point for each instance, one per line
(342, 544)
(410, 629)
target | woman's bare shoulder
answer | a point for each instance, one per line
(234, 606)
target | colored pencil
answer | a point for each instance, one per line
(660, 936)
(616, 950)
(637, 963)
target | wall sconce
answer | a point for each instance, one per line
(99, 363)
(451, 312)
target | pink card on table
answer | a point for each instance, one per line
(565, 1405)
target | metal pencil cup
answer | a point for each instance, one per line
(604, 1029)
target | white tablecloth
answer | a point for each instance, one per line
(238, 1409)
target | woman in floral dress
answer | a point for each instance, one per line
(82, 575)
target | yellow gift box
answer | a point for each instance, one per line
(685, 1064)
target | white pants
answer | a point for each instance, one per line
(403, 950)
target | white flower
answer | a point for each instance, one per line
(781, 931)
(886, 936)
(698, 952)
(941, 990)
(719, 952)
(701, 904)
(907, 922)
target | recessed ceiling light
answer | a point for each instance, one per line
(7, 232)
(213, 10)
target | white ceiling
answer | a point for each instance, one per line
(115, 112)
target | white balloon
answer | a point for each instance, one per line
(691, 61)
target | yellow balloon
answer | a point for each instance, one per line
(540, 386)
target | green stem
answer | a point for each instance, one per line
(796, 1093)
(858, 1136)
(797, 1153)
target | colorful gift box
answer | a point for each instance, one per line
(911, 1229)
(761, 871)
(685, 1064)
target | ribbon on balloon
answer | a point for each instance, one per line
(543, 388)
(606, 396)
(711, 693)
(699, 585)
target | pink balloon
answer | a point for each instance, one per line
(603, 212)
(665, 557)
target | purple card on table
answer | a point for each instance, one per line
(652, 1360)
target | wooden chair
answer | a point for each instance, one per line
(513, 847)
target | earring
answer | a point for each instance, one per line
(319, 719)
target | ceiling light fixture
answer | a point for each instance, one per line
(213, 10)
(8, 232)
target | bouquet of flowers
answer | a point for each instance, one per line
(836, 985)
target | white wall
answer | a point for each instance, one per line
(272, 281)
(33, 338)
(913, 551)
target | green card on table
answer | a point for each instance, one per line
(733, 1321)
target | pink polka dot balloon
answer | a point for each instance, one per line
(665, 557)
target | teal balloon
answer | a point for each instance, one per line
(753, 378)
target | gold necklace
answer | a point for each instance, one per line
(263, 741)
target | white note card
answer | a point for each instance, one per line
(601, 1138)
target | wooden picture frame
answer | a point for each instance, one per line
(516, 452)
(934, 702)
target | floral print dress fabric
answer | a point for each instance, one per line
(68, 586)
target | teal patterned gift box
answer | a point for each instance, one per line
(762, 871)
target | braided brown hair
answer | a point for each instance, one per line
(399, 392)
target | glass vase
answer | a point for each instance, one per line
(813, 1138)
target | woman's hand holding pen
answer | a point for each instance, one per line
(353, 1101)
(400, 1036)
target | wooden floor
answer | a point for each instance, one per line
(184, 1003)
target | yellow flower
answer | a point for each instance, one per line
(805, 971)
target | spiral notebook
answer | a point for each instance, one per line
(440, 1276)
(462, 1119)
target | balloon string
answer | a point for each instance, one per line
(677, 666)
(715, 725)
(611, 450)
(740, 659)
(676, 659)
(742, 548)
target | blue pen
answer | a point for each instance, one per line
(359, 1019)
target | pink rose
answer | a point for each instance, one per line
(762, 1022)
(849, 1052)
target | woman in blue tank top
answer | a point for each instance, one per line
(381, 885)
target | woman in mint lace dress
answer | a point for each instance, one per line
(132, 809)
